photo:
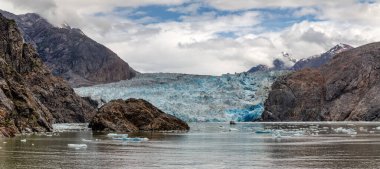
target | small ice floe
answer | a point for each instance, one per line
(23, 140)
(4, 142)
(298, 134)
(32, 144)
(362, 129)
(263, 131)
(378, 128)
(325, 128)
(136, 139)
(276, 134)
(233, 129)
(371, 132)
(85, 140)
(351, 132)
(113, 135)
(77, 146)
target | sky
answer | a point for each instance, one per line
(212, 36)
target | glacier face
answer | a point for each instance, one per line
(228, 97)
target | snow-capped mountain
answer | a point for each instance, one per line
(318, 60)
(237, 97)
(286, 62)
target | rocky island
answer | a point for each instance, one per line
(134, 115)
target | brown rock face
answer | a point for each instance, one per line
(346, 88)
(134, 115)
(31, 98)
(70, 54)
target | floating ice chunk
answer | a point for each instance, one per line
(85, 140)
(234, 129)
(299, 134)
(345, 131)
(23, 140)
(378, 128)
(4, 142)
(263, 131)
(32, 144)
(136, 139)
(325, 128)
(276, 134)
(113, 135)
(77, 146)
(371, 132)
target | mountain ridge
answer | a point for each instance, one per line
(70, 54)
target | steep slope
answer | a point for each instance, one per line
(31, 97)
(346, 88)
(70, 54)
(319, 60)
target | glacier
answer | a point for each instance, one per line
(194, 98)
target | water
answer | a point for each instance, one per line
(207, 145)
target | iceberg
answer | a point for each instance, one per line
(77, 146)
(194, 98)
(136, 139)
(263, 131)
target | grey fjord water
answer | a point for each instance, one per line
(206, 145)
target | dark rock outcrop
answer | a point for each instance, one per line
(346, 88)
(70, 54)
(134, 115)
(31, 98)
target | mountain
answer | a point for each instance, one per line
(70, 54)
(319, 60)
(31, 98)
(346, 88)
(311, 62)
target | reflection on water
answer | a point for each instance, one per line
(207, 145)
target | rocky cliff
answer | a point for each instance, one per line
(346, 88)
(70, 54)
(31, 98)
(134, 115)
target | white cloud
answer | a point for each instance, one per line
(194, 44)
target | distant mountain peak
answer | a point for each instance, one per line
(288, 57)
(66, 26)
(339, 48)
(318, 60)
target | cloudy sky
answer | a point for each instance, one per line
(212, 36)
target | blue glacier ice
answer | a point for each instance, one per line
(237, 97)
